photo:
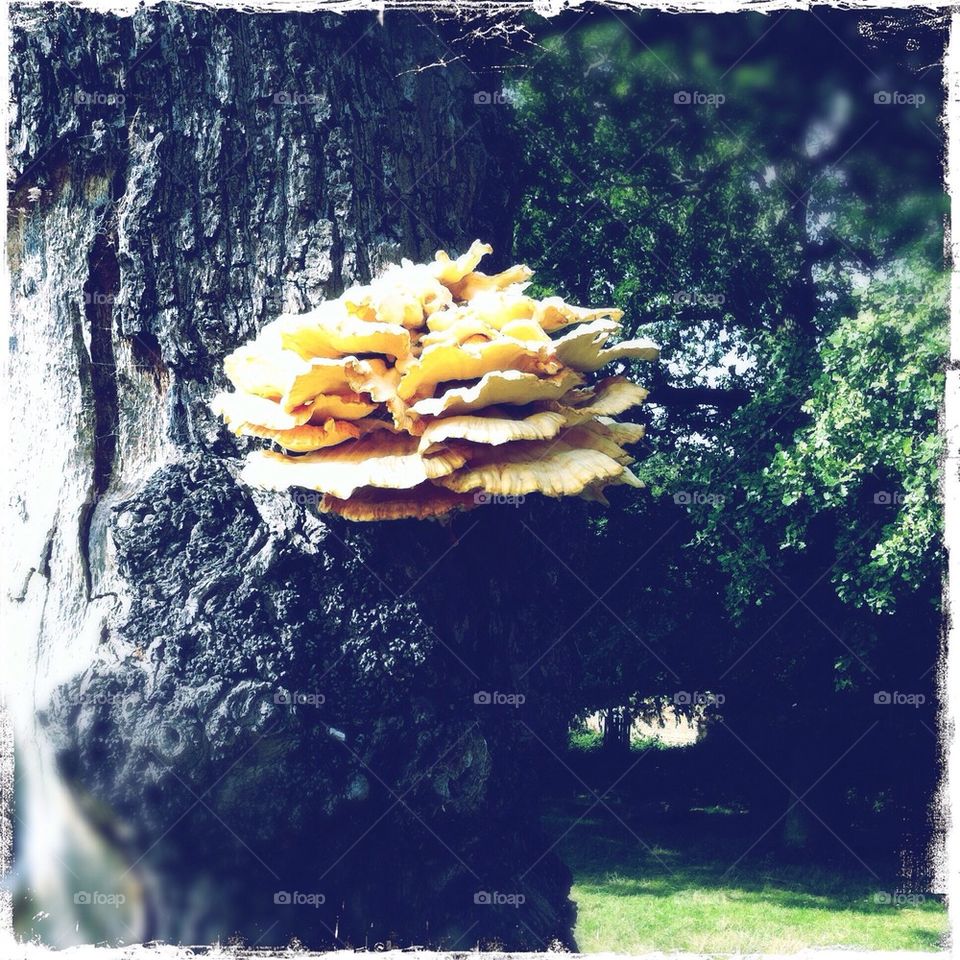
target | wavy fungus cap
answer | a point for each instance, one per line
(433, 389)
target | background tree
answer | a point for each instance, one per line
(775, 222)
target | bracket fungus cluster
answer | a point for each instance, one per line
(434, 388)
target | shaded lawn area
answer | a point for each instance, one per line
(674, 889)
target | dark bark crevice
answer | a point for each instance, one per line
(98, 364)
(100, 292)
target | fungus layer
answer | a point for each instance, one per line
(433, 389)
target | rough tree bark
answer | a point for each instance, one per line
(242, 700)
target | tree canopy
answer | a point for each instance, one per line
(775, 222)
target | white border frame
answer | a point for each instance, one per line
(948, 867)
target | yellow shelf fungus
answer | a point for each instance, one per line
(435, 388)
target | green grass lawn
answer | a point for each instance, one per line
(676, 893)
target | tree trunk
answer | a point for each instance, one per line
(617, 724)
(262, 723)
